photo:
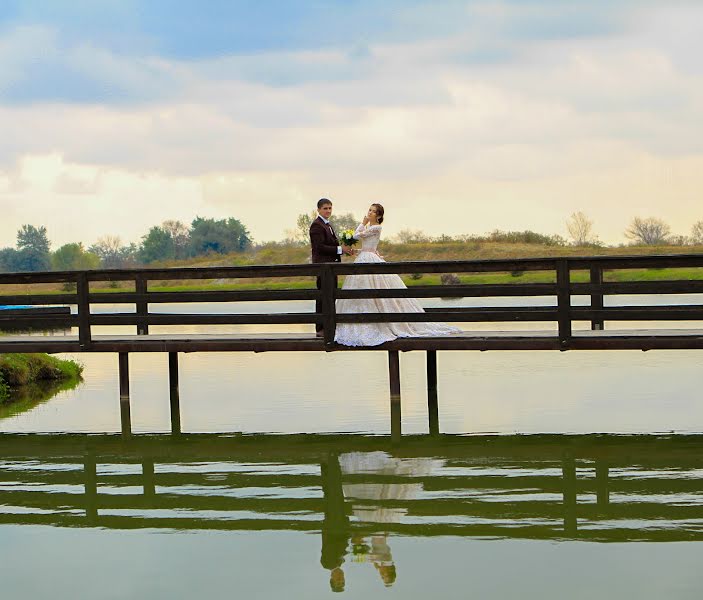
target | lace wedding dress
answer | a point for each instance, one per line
(373, 334)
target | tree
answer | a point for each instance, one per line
(35, 238)
(156, 245)
(180, 234)
(411, 236)
(113, 255)
(8, 260)
(649, 232)
(580, 228)
(697, 233)
(32, 249)
(222, 236)
(301, 233)
(73, 257)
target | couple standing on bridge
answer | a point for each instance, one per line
(326, 247)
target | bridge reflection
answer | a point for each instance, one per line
(359, 491)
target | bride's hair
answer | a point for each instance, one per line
(379, 213)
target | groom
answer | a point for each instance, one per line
(325, 247)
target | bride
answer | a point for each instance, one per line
(373, 334)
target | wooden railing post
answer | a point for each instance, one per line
(432, 404)
(329, 293)
(394, 380)
(83, 290)
(142, 306)
(597, 298)
(174, 393)
(563, 302)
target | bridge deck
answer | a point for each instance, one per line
(625, 339)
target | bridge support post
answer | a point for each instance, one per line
(174, 392)
(602, 491)
(432, 405)
(568, 469)
(125, 413)
(90, 484)
(394, 377)
(148, 478)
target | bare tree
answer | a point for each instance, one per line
(410, 236)
(180, 234)
(301, 233)
(580, 228)
(112, 253)
(649, 232)
(697, 233)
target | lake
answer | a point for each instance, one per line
(251, 511)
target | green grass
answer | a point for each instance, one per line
(20, 370)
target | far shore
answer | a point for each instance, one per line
(274, 254)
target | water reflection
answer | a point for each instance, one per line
(360, 492)
(28, 396)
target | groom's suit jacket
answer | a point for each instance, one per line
(324, 242)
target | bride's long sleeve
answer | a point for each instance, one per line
(363, 231)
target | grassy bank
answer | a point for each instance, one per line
(19, 372)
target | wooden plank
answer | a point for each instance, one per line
(596, 296)
(83, 290)
(38, 299)
(456, 291)
(639, 287)
(466, 315)
(201, 296)
(328, 289)
(563, 302)
(204, 319)
(142, 305)
(640, 313)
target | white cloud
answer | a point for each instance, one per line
(581, 123)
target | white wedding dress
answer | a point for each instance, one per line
(373, 334)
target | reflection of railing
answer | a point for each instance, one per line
(565, 277)
(602, 488)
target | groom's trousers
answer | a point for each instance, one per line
(318, 302)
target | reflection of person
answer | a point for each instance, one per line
(335, 526)
(373, 334)
(325, 245)
(376, 550)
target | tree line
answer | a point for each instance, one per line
(172, 240)
(650, 231)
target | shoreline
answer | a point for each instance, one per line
(19, 373)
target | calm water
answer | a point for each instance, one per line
(270, 515)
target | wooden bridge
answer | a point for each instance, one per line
(572, 313)
(595, 487)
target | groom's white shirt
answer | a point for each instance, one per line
(327, 222)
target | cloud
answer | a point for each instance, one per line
(508, 115)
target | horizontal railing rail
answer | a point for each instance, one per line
(561, 279)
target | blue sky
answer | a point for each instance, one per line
(510, 114)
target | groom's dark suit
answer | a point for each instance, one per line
(324, 244)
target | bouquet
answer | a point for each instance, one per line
(346, 237)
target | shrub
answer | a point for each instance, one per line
(449, 279)
(4, 389)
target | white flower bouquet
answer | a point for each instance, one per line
(346, 237)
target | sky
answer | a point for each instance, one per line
(459, 117)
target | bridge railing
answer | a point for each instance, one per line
(559, 278)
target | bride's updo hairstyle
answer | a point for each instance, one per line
(379, 213)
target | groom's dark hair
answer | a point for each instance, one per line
(322, 201)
